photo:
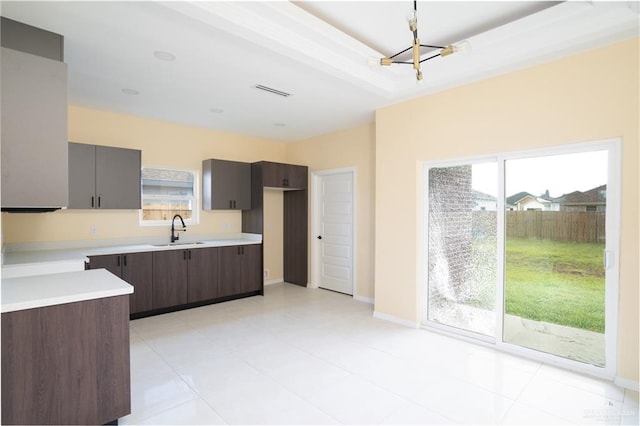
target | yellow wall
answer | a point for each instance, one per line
(273, 233)
(586, 97)
(348, 148)
(163, 145)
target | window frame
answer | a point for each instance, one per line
(195, 216)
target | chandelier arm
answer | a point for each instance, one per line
(401, 52)
(402, 62)
(432, 46)
(430, 57)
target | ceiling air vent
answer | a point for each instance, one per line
(272, 90)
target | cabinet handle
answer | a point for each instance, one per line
(234, 204)
(184, 255)
(93, 201)
(125, 260)
(118, 261)
(189, 254)
(230, 204)
(242, 250)
(99, 200)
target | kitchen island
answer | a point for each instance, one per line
(65, 348)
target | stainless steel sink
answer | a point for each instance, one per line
(178, 244)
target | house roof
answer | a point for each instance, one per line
(596, 195)
(516, 198)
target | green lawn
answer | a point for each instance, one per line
(556, 282)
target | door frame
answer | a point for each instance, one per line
(316, 214)
(612, 251)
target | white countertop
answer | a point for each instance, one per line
(55, 289)
(56, 256)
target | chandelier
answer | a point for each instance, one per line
(415, 48)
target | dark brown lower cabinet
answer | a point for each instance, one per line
(67, 364)
(202, 274)
(240, 269)
(134, 268)
(170, 276)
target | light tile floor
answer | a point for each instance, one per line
(309, 356)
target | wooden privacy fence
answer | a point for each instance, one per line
(583, 227)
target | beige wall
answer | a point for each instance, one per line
(273, 233)
(349, 148)
(586, 97)
(163, 145)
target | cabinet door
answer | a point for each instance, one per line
(273, 174)
(82, 176)
(110, 262)
(296, 176)
(137, 270)
(33, 131)
(203, 274)
(229, 276)
(117, 178)
(251, 268)
(169, 278)
(226, 185)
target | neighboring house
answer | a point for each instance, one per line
(525, 201)
(482, 201)
(592, 200)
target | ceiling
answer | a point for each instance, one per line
(323, 53)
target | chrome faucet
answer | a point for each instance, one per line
(175, 237)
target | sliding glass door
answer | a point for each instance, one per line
(462, 246)
(520, 251)
(555, 233)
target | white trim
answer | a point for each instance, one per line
(369, 300)
(626, 383)
(612, 145)
(316, 224)
(394, 319)
(274, 281)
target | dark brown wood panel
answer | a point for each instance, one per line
(137, 270)
(66, 364)
(110, 262)
(169, 278)
(203, 274)
(252, 220)
(113, 358)
(229, 272)
(295, 237)
(251, 268)
(273, 174)
(296, 176)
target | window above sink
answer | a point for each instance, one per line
(167, 192)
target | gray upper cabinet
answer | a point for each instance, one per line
(103, 177)
(34, 131)
(226, 185)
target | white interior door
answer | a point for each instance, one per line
(335, 234)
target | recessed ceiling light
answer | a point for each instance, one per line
(130, 91)
(164, 56)
(279, 124)
(216, 110)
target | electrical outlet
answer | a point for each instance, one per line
(266, 273)
(93, 230)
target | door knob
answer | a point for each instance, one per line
(319, 237)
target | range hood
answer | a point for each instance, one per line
(34, 142)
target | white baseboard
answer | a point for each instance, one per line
(627, 384)
(392, 318)
(369, 300)
(273, 281)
